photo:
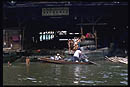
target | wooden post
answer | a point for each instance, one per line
(93, 29)
(95, 34)
(96, 38)
(81, 30)
(81, 27)
(22, 38)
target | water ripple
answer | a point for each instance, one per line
(75, 82)
(55, 78)
(19, 79)
(40, 81)
(124, 74)
(109, 72)
(115, 66)
(124, 82)
(72, 74)
(87, 81)
(126, 78)
(99, 81)
(125, 70)
(18, 75)
(31, 78)
(105, 76)
(34, 81)
(83, 77)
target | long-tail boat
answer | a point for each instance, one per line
(48, 60)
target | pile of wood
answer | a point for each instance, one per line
(118, 59)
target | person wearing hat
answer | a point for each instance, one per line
(76, 56)
(57, 57)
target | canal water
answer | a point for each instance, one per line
(38, 73)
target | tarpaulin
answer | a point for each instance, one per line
(15, 38)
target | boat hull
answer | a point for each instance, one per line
(48, 60)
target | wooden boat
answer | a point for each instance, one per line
(118, 59)
(48, 60)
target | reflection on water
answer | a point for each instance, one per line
(57, 74)
(124, 82)
(77, 70)
(27, 67)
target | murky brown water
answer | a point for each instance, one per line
(106, 73)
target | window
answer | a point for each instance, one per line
(48, 35)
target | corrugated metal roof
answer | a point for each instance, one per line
(65, 3)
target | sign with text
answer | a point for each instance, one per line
(55, 11)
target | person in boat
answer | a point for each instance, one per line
(84, 58)
(89, 35)
(77, 44)
(57, 57)
(75, 41)
(76, 56)
(52, 58)
(83, 38)
(70, 45)
(9, 64)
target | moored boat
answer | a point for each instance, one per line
(48, 60)
(117, 59)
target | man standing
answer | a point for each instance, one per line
(70, 45)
